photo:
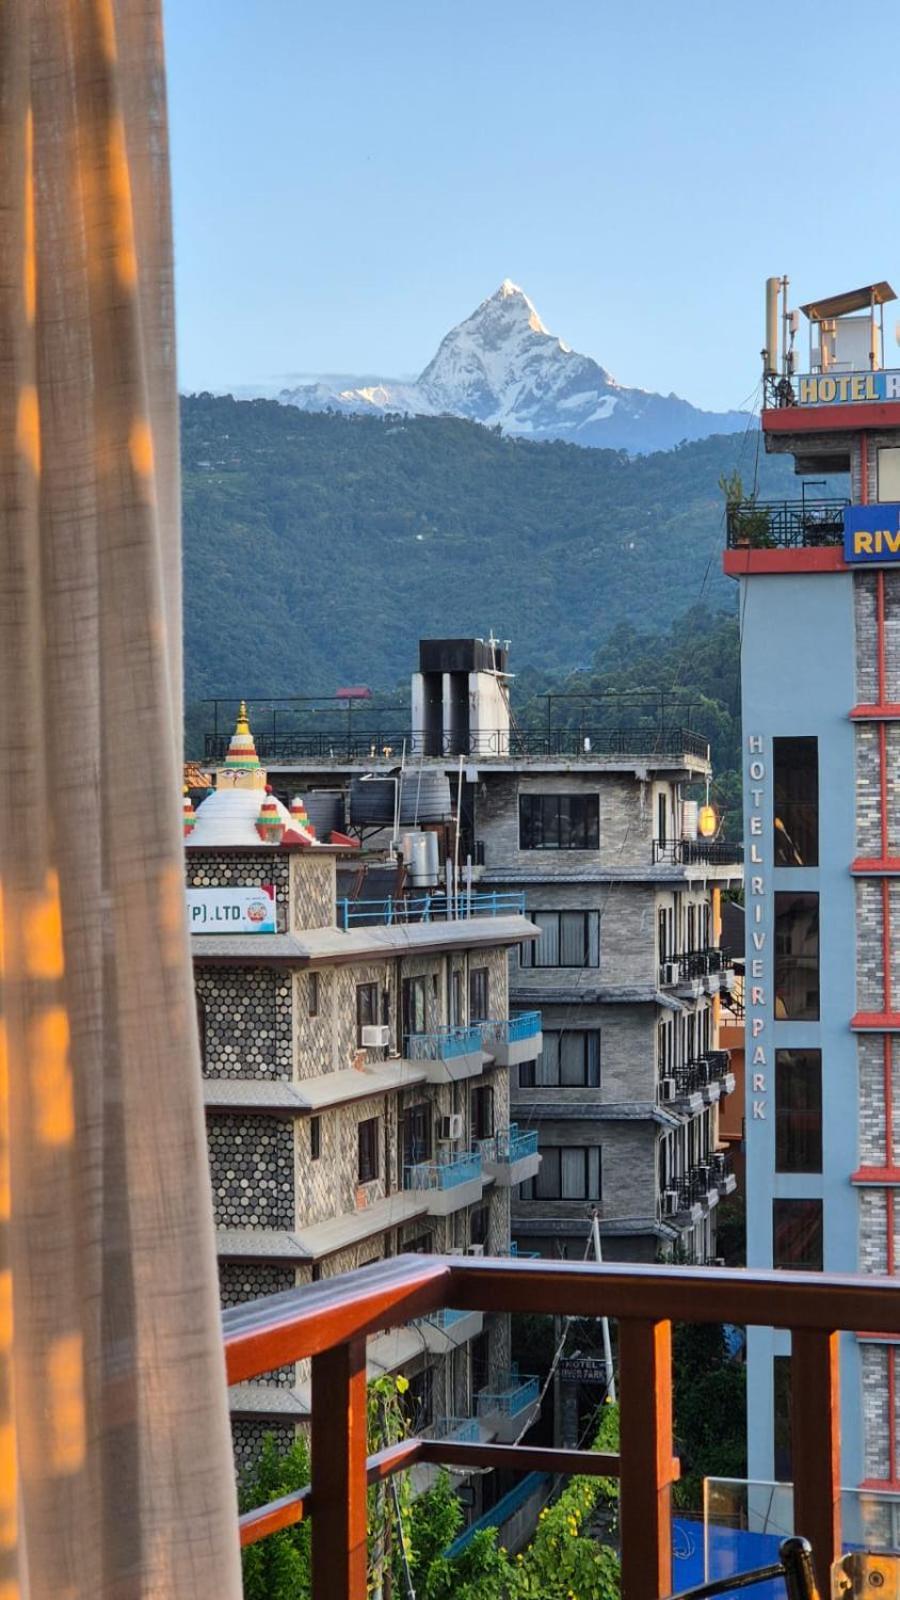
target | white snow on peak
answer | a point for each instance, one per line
(501, 365)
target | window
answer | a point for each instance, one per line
(559, 822)
(419, 1399)
(781, 1406)
(568, 1172)
(415, 1006)
(795, 763)
(479, 1008)
(797, 1234)
(480, 1348)
(479, 1219)
(456, 999)
(315, 1138)
(796, 956)
(201, 1028)
(661, 817)
(366, 1008)
(312, 994)
(570, 1059)
(798, 1111)
(568, 939)
(481, 1113)
(417, 1133)
(368, 1149)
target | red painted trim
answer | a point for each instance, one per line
(886, 1485)
(875, 866)
(882, 1177)
(876, 1022)
(889, 711)
(748, 563)
(833, 419)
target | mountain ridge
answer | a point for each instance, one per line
(502, 367)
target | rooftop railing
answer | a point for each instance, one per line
(785, 524)
(443, 1174)
(329, 1322)
(401, 909)
(337, 745)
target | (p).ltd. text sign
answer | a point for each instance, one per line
(872, 533)
(232, 910)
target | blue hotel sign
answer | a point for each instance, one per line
(843, 388)
(872, 533)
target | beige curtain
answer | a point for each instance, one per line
(115, 1463)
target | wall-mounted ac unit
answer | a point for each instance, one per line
(476, 1249)
(669, 1202)
(667, 1088)
(668, 972)
(450, 1128)
(376, 1036)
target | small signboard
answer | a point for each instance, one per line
(583, 1369)
(247, 910)
(872, 534)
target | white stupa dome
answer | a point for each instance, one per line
(228, 817)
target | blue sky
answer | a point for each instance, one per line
(352, 178)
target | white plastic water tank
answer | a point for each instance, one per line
(689, 814)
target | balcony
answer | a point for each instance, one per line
(785, 524)
(697, 853)
(722, 1175)
(447, 1184)
(516, 1039)
(328, 1321)
(446, 1329)
(397, 911)
(511, 1156)
(509, 1412)
(449, 1054)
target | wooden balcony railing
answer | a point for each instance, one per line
(329, 1322)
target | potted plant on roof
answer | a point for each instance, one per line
(749, 521)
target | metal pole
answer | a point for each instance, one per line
(604, 1321)
(458, 810)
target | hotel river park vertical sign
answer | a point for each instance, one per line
(756, 1003)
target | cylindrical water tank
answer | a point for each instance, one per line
(325, 809)
(425, 796)
(372, 802)
(689, 813)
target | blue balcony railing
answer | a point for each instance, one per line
(397, 910)
(510, 1144)
(463, 1429)
(443, 1174)
(517, 1396)
(510, 1030)
(444, 1044)
(445, 1317)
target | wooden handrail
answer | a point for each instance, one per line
(330, 1320)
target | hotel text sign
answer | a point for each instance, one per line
(232, 910)
(872, 533)
(843, 388)
(754, 988)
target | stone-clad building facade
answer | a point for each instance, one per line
(357, 1093)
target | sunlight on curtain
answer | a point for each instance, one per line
(115, 1461)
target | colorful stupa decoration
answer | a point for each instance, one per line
(241, 755)
(270, 822)
(300, 817)
(189, 815)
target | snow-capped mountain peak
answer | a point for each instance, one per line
(502, 366)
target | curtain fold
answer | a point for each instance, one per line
(115, 1460)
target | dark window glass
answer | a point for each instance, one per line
(421, 1245)
(570, 1059)
(315, 1138)
(201, 1029)
(456, 999)
(781, 1396)
(366, 1007)
(368, 1149)
(797, 1234)
(419, 1399)
(798, 1111)
(568, 939)
(478, 1225)
(481, 1112)
(479, 1009)
(661, 818)
(795, 765)
(417, 1133)
(662, 936)
(415, 1005)
(568, 1172)
(559, 821)
(481, 1360)
(527, 1074)
(796, 956)
(312, 994)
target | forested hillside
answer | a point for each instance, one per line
(318, 548)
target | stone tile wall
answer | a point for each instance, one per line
(248, 1022)
(251, 1167)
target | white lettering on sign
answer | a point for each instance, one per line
(759, 1083)
(756, 825)
(238, 910)
(759, 1056)
(756, 776)
(759, 1110)
(756, 968)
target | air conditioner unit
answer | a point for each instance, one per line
(667, 1089)
(450, 1128)
(668, 972)
(669, 1202)
(476, 1249)
(376, 1036)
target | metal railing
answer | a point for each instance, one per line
(785, 524)
(336, 745)
(511, 1401)
(463, 1429)
(697, 852)
(511, 1030)
(393, 910)
(446, 1316)
(509, 1144)
(443, 1173)
(444, 1044)
(329, 1322)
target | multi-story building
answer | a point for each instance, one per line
(820, 609)
(595, 834)
(356, 1081)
